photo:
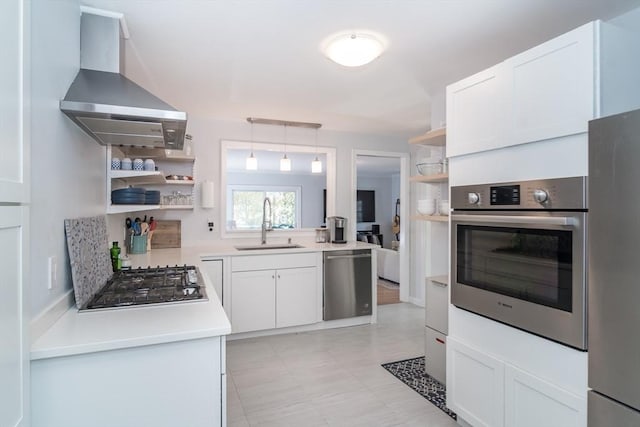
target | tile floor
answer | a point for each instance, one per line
(331, 377)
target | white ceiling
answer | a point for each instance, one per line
(234, 59)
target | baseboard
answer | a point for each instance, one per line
(51, 314)
(326, 324)
(416, 301)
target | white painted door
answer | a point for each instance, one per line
(476, 112)
(475, 385)
(14, 84)
(552, 87)
(14, 342)
(296, 297)
(253, 300)
(533, 402)
(14, 194)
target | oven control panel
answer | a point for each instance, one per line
(558, 193)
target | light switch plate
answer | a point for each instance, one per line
(52, 270)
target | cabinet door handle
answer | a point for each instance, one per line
(273, 277)
(440, 341)
(278, 276)
(440, 284)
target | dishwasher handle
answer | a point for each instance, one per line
(348, 256)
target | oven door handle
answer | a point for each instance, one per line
(504, 219)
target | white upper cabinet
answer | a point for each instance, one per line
(548, 91)
(551, 91)
(14, 93)
(475, 112)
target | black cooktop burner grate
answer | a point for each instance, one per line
(150, 286)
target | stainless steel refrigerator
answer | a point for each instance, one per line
(614, 271)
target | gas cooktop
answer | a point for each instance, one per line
(157, 285)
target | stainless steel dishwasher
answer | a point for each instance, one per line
(347, 284)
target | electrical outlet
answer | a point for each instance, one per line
(210, 224)
(52, 270)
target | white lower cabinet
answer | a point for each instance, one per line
(253, 300)
(274, 291)
(296, 297)
(486, 391)
(533, 402)
(180, 383)
(475, 385)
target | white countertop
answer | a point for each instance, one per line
(192, 255)
(86, 332)
(100, 330)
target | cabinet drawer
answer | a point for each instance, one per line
(437, 304)
(274, 261)
(435, 363)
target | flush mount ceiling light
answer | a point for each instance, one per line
(354, 49)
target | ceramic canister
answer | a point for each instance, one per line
(149, 165)
(126, 164)
(115, 163)
(138, 164)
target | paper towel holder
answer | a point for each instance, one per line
(207, 195)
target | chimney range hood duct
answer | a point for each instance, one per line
(112, 109)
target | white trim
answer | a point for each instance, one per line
(404, 217)
(325, 324)
(330, 154)
(416, 301)
(51, 314)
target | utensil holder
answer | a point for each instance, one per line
(138, 244)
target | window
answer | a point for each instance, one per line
(244, 212)
(269, 179)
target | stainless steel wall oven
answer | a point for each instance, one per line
(519, 255)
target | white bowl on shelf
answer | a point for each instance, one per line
(426, 206)
(426, 169)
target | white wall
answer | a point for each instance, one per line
(67, 167)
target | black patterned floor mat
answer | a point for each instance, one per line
(411, 372)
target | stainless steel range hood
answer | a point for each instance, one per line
(112, 109)
(116, 111)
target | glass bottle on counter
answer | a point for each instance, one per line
(115, 256)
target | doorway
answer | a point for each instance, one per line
(378, 189)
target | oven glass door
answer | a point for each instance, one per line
(530, 264)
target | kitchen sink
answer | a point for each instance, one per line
(268, 246)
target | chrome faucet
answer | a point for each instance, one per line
(266, 224)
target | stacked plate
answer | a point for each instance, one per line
(152, 197)
(128, 196)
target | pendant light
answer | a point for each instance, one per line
(252, 162)
(285, 162)
(316, 165)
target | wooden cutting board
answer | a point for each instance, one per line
(168, 234)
